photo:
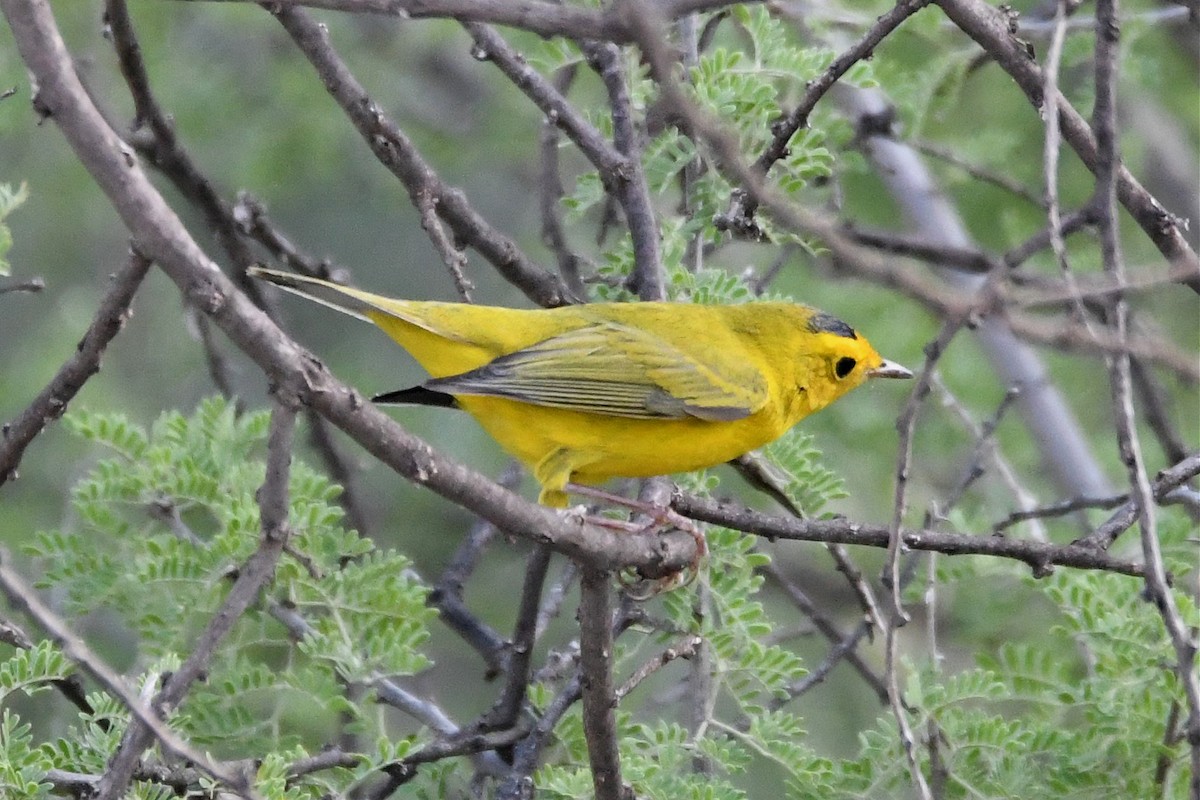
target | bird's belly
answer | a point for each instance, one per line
(606, 447)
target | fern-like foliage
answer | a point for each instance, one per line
(164, 520)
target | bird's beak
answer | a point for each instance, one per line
(889, 369)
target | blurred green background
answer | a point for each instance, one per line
(256, 119)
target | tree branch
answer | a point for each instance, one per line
(1040, 556)
(599, 694)
(990, 28)
(51, 402)
(538, 16)
(397, 152)
(24, 597)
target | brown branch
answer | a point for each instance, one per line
(397, 152)
(990, 28)
(606, 158)
(966, 259)
(70, 687)
(452, 256)
(1059, 509)
(519, 782)
(507, 709)
(252, 220)
(1120, 521)
(784, 129)
(595, 667)
(1158, 590)
(153, 135)
(686, 650)
(1040, 556)
(648, 279)
(52, 401)
(570, 263)
(982, 174)
(538, 16)
(827, 628)
(890, 576)
(447, 594)
(28, 285)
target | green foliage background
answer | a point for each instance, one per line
(1041, 688)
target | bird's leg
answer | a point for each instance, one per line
(660, 516)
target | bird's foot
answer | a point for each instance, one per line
(656, 518)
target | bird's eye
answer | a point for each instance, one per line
(844, 366)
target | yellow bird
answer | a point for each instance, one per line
(584, 393)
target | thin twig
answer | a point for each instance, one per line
(518, 785)
(890, 578)
(571, 264)
(985, 441)
(1158, 590)
(452, 256)
(397, 152)
(447, 594)
(830, 631)
(631, 190)
(686, 649)
(784, 129)
(29, 285)
(70, 687)
(1068, 223)
(975, 171)
(542, 17)
(990, 28)
(152, 133)
(252, 220)
(520, 650)
(1165, 482)
(1059, 509)
(52, 401)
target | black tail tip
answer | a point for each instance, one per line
(416, 396)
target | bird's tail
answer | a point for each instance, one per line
(350, 301)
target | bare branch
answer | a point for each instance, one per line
(1158, 589)
(632, 192)
(797, 118)
(397, 152)
(539, 16)
(1040, 556)
(686, 650)
(599, 694)
(52, 401)
(990, 28)
(827, 628)
(505, 712)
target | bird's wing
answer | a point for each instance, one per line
(617, 370)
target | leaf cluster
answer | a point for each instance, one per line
(163, 524)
